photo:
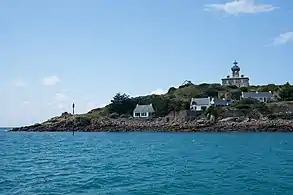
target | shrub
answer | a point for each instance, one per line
(171, 90)
(82, 120)
(114, 115)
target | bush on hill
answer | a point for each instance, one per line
(179, 99)
(287, 92)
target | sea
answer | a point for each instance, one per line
(58, 163)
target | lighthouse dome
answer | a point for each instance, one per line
(235, 67)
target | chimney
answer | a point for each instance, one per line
(212, 101)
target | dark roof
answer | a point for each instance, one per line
(236, 78)
(201, 101)
(221, 102)
(235, 67)
(144, 108)
(257, 94)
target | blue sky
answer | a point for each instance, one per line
(54, 52)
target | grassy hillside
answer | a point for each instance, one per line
(179, 99)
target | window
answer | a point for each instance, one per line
(136, 114)
(193, 103)
(143, 114)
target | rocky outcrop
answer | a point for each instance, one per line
(166, 124)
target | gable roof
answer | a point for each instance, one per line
(200, 101)
(221, 102)
(257, 94)
(143, 108)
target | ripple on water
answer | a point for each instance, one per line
(146, 163)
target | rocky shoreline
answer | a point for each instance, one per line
(82, 124)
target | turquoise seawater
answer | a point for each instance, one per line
(146, 163)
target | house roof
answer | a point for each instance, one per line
(221, 102)
(257, 94)
(201, 101)
(236, 78)
(144, 108)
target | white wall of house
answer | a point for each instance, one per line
(261, 99)
(264, 99)
(142, 114)
(199, 108)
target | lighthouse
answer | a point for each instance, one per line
(236, 79)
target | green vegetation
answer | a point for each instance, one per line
(247, 106)
(216, 112)
(287, 92)
(176, 99)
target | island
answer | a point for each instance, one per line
(188, 108)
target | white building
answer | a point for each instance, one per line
(236, 79)
(200, 104)
(143, 111)
(260, 96)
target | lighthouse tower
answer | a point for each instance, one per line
(235, 70)
(236, 79)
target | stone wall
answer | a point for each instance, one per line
(185, 115)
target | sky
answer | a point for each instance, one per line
(55, 52)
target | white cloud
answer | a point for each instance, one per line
(155, 92)
(158, 92)
(19, 83)
(284, 38)
(236, 7)
(51, 80)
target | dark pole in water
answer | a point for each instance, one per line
(73, 106)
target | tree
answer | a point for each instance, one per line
(270, 87)
(211, 93)
(214, 112)
(119, 98)
(244, 89)
(287, 92)
(121, 104)
(236, 95)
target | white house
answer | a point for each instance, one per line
(143, 111)
(200, 104)
(260, 96)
